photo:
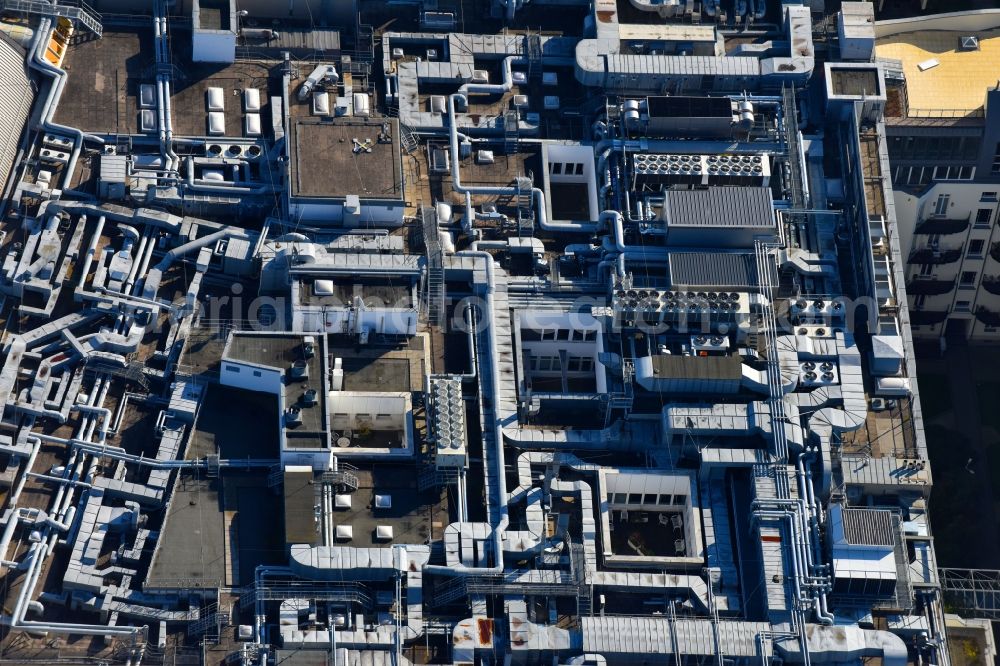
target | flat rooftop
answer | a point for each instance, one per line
(697, 367)
(191, 550)
(415, 516)
(281, 351)
(101, 93)
(253, 435)
(396, 293)
(958, 83)
(301, 498)
(400, 368)
(854, 81)
(324, 163)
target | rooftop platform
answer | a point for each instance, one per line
(101, 93)
(415, 516)
(327, 163)
(374, 291)
(191, 549)
(253, 435)
(957, 84)
(281, 351)
(385, 369)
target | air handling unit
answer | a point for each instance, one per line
(653, 171)
(688, 116)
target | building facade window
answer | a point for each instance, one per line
(988, 197)
(941, 205)
(983, 217)
(968, 279)
(976, 246)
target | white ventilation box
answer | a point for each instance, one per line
(321, 104)
(252, 124)
(251, 100)
(147, 120)
(216, 123)
(383, 533)
(215, 98)
(362, 106)
(147, 96)
(346, 533)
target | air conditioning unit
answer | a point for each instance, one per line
(878, 404)
(49, 156)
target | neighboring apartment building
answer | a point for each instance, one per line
(943, 131)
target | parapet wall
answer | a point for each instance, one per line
(971, 21)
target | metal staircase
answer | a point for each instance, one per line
(343, 478)
(510, 132)
(621, 401)
(407, 140)
(450, 592)
(435, 267)
(533, 53)
(525, 214)
(432, 477)
(339, 592)
(132, 372)
(210, 623)
(75, 10)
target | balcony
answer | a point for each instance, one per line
(995, 251)
(927, 317)
(988, 317)
(929, 255)
(929, 287)
(991, 283)
(942, 226)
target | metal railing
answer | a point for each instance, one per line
(74, 10)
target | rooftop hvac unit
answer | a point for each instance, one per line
(814, 331)
(816, 373)
(440, 162)
(57, 142)
(310, 397)
(50, 156)
(299, 371)
(293, 417)
(707, 343)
